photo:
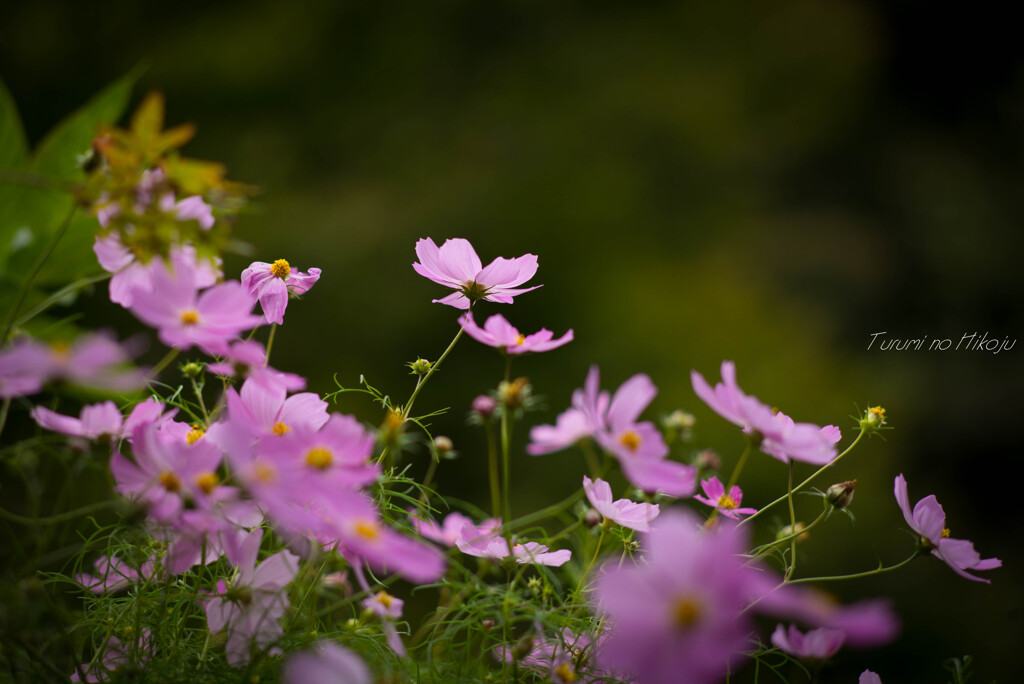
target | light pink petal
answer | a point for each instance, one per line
(456, 299)
(55, 422)
(629, 401)
(929, 518)
(458, 259)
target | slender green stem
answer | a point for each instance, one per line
(492, 469)
(27, 285)
(433, 367)
(588, 453)
(807, 481)
(60, 517)
(5, 407)
(59, 295)
(877, 571)
(792, 524)
(735, 476)
(270, 343)
(551, 510)
(597, 551)
(506, 472)
(163, 363)
(429, 477)
(199, 398)
(758, 551)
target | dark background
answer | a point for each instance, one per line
(770, 184)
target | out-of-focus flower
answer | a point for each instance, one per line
(683, 613)
(780, 436)
(635, 516)
(184, 317)
(929, 520)
(95, 421)
(115, 655)
(869, 677)
(726, 504)
(24, 368)
(483, 542)
(450, 530)
(113, 574)
(500, 334)
(456, 265)
(326, 663)
(130, 274)
(388, 608)
(252, 606)
(817, 644)
(272, 283)
(485, 406)
(248, 358)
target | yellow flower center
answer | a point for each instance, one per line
(195, 434)
(280, 269)
(630, 440)
(384, 598)
(170, 481)
(566, 674)
(60, 349)
(189, 317)
(725, 501)
(207, 481)
(877, 414)
(520, 339)
(686, 611)
(319, 457)
(264, 472)
(280, 428)
(945, 533)
(367, 529)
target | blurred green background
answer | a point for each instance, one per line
(770, 184)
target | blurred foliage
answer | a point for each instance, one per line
(770, 184)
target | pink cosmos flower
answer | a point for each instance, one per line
(326, 663)
(684, 612)
(456, 265)
(265, 410)
(817, 644)
(96, 421)
(612, 422)
(488, 543)
(252, 606)
(449, 531)
(500, 334)
(351, 522)
(272, 284)
(635, 516)
(781, 437)
(184, 317)
(115, 655)
(929, 520)
(113, 574)
(166, 472)
(727, 505)
(248, 358)
(192, 208)
(130, 274)
(869, 677)
(388, 608)
(24, 368)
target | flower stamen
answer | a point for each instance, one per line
(281, 269)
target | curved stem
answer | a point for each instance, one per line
(433, 367)
(792, 524)
(27, 285)
(61, 294)
(807, 481)
(270, 343)
(757, 551)
(163, 363)
(60, 517)
(877, 571)
(597, 551)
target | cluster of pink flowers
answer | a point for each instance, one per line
(485, 541)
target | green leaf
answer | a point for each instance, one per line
(13, 148)
(28, 222)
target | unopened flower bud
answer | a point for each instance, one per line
(840, 495)
(790, 530)
(487, 624)
(485, 406)
(419, 366)
(708, 460)
(522, 647)
(391, 428)
(533, 585)
(591, 518)
(680, 421)
(444, 447)
(514, 394)
(191, 369)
